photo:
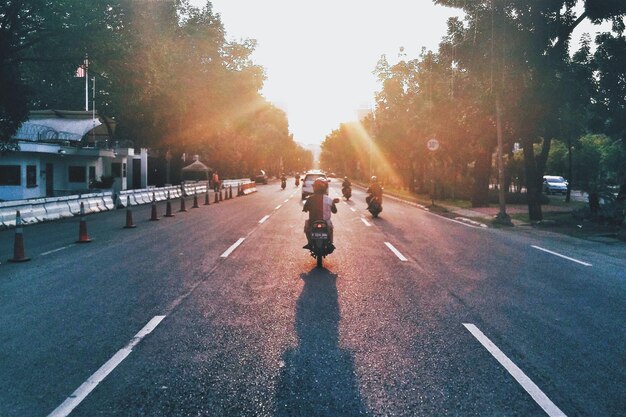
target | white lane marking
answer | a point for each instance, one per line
(278, 206)
(526, 383)
(287, 200)
(353, 209)
(396, 252)
(55, 250)
(90, 384)
(263, 219)
(561, 256)
(233, 247)
(366, 222)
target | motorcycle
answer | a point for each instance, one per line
(375, 206)
(283, 184)
(347, 192)
(320, 241)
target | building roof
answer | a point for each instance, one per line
(65, 125)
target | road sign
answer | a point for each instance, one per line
(432, 144)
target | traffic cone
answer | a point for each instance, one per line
(182, 204)
(206, 198)
(217, 199)
(195, 199)
(230, 192)
(154, 217)
(221, 195)
(18, 245)
(129, 215)
(83, 237)
(168, 206)
(238, 190)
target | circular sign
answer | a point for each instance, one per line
(432, 144)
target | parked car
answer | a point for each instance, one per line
(553, 184)
(261, 177)
(307, 184)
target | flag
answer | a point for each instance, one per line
(81, 71)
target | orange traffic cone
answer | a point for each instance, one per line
(195, 199)
(168, 206)
(18, 245)
(182, 204)
(129, 215)
(83, 237)
(154, 216)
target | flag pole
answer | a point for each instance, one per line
(86, 83)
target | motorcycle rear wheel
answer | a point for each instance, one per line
(319, 261)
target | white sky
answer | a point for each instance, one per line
(319, 56)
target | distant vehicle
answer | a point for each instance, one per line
(554, 185)
(261, 178)
(307, 184)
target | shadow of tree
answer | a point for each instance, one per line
(318, 377)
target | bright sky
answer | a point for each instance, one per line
(319, 56)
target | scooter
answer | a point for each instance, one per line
(347, 192)
(375, 206)
(320, 241)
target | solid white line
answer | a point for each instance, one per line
(55, 250)
(396, 252)
(83, 391)
(263, 219)
(353, 209)
(366, 222)
(561, 256)
(530, 387)
(233, 247)
(278, 206)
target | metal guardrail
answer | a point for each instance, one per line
(55, 208)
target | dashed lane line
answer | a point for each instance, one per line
(561, 256)
(233, 247)
(278, 206)
(264, 218)
(396, 252)
(55, 250)
(92, 382)
(531, 388)
(287, 200)
(368, 224)
(353, 209)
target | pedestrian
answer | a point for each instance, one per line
(216, 182)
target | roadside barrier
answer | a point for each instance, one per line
(83, 237)
(55, 208)
(18, 245)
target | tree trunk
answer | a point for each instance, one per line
(533, 183)
(482, 171)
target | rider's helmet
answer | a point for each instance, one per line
(373, 179)
(320, 186)
(345, 178)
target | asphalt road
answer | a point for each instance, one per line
(219, 312)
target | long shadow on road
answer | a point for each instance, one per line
(318, 377)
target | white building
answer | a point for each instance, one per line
(69, 152)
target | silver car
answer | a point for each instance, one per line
(554, 185)
(309, 179)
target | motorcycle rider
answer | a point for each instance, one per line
(346, 183)
(297, 179)
(319, 206)
(283, 180)
(374, 191)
